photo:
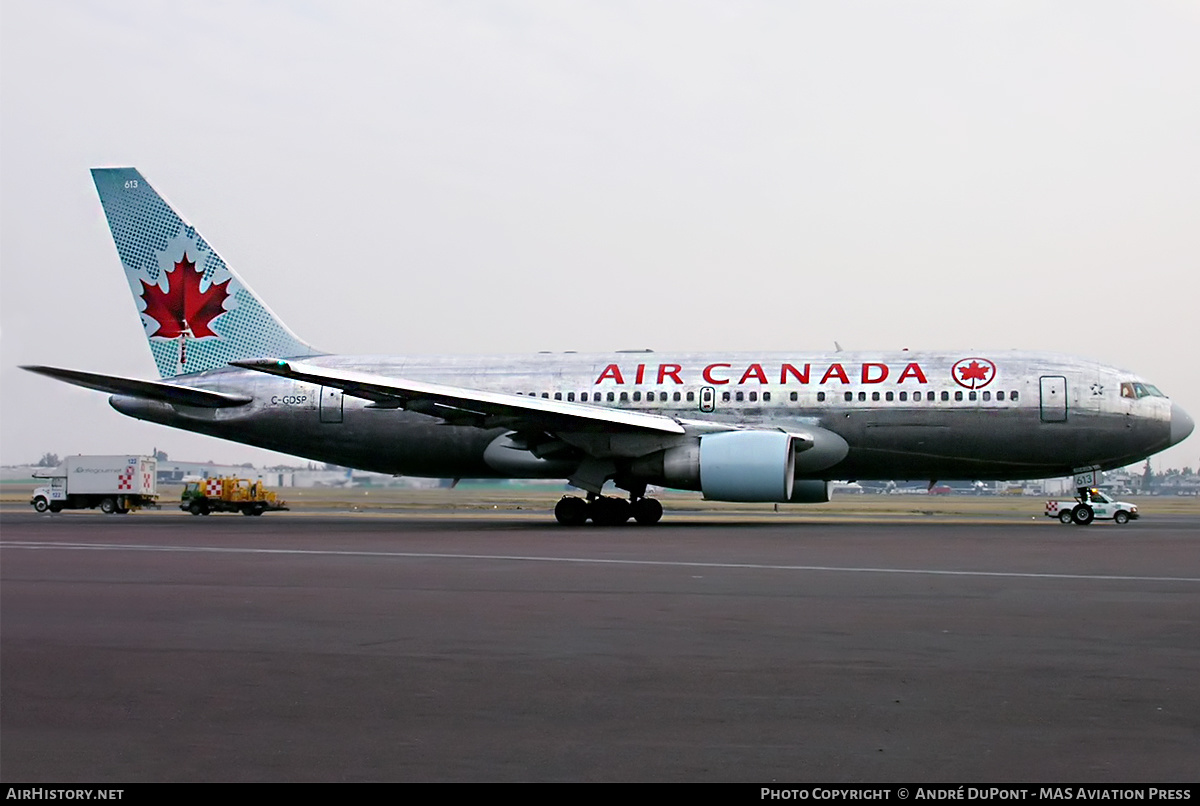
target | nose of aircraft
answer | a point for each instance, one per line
(1181, 424)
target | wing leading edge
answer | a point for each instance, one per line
(457, 404)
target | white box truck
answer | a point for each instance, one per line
(116, 484)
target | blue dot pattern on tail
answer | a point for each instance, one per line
(151, 238)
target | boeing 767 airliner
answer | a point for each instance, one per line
(738, 427)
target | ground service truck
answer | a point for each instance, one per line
(116, 484)
(228, 494)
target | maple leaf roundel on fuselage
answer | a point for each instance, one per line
(184, 309)
(973, 373)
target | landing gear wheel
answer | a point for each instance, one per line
(608, 511)
(108, 506)
(41, 504)
(571, 511)
(1083, 515)
(1066, 516)
(647, 511)
(1121, 518)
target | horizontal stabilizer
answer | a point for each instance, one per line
(149, 390)
(450, 402)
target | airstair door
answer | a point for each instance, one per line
(1054, 399)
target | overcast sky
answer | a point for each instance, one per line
(465, 177)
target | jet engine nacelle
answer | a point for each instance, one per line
(811, 491)
(748, 465)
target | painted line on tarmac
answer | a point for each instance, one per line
(408, 555)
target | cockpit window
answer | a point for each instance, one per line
(1139, 390)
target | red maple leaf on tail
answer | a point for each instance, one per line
(184, 310)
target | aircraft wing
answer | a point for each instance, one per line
(150, 390)
(457, 404)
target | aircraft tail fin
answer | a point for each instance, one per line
(197, 313)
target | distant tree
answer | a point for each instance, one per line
(48, 460)
(247, 464)
(160, 455)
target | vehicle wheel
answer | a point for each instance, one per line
(1121, 517)
(196, 508)
(247, 510)
(56, 507)
(108, 506)
(41, 504)
(647, 511)
(1066, 516)
(571, 511)
(259, 509)
(1083, 515)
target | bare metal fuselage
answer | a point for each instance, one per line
(1043, 415)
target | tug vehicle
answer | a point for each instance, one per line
(228, 494)
(1091, 505)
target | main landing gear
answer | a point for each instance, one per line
(606, 510)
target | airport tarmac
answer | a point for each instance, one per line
(504, 647)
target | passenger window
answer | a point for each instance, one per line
(862, 396)
(958, 395)
(1000, 396)
(545, 394)
(890, 396)
(794, 396)
(649, 397)
(725, 397)
(766, 397)
(571, 396)
(636, 395)
(624, 397)
(1012, 395)
(849, 397)
(691, 397)
(820, 397)
(903, 396)
(945, 396)
(875, 395)
(740, 396)
(986, 396)
(754, 397)
(678, 396)
(972, 396)
(558, 395)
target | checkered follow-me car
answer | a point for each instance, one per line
(1091, 505)
(116, 484)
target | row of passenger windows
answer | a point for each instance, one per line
(753, 397)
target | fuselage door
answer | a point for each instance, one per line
(1054, 399)
(331, 404)
(708, 399)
